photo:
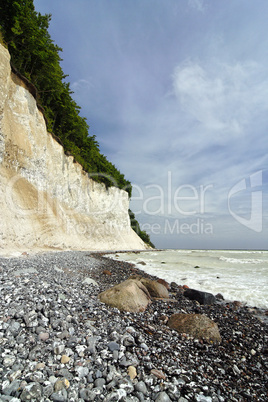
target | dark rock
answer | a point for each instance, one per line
(174, 286)
(201, 297)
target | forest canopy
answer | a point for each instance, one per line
(35, 56)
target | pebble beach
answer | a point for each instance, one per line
(58, 342)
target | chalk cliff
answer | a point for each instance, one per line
(47, 200)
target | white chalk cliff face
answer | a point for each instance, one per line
(47, 200)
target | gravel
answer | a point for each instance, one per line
(59, 343)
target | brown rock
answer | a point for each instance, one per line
(65, 359)
(39, 366)
(163, 282)
(158, 374)
(163, 319)
(155, 288)
(237, 305)
(60, 384)
(136, 276)
(130, 295)
(106, 272)
(132, 372)
(197, 325)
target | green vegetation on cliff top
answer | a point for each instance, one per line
(35, 57)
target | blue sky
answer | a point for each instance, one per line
(176, 93)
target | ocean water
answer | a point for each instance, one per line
(237, 275)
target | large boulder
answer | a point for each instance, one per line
(130, 295)
(201, 297)
(197, 325)
(155, 288)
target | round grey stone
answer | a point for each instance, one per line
(163, 397)
(99, 383)
(14, 328)
(113, 346)
(98, 374)
(57, 397)
(141, 387)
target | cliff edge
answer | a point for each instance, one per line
(46, 199)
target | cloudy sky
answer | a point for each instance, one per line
(176, 93)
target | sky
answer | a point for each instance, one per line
(176, 93)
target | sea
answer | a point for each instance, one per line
(238, 275)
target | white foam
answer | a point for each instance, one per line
(241, 261)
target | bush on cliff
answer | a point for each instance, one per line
(136, 227)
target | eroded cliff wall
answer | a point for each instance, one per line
(47, 200)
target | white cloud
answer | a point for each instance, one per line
(221, 97)
(197, 5)
(81, 84)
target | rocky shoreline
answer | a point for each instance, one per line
(58, 342)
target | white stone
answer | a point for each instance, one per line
(9, 361)
(16, 374)
(90, 281)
